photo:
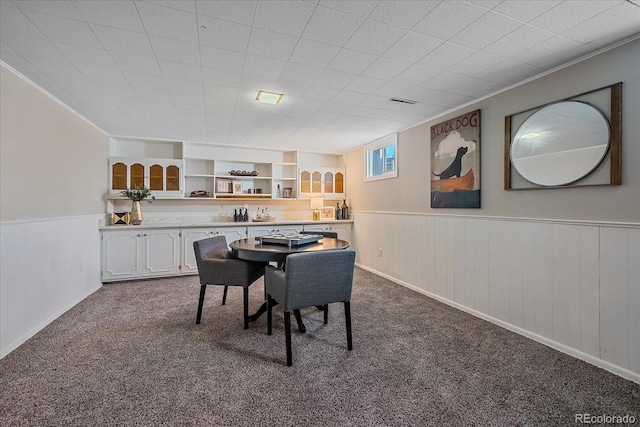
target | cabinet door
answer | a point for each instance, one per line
(189, 265)
(165, 177)
(326, 182)
(121, 255)
(161, 252)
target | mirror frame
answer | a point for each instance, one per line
(615, 144)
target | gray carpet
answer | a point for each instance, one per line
(131, 355)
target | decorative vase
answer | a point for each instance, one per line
(136, 213)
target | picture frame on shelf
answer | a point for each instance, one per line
(287, 192)
(328, 212)
(223, 185)
(237, 187)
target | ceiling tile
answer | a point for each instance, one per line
(552, 52)
(64, 30)
(349, 97)
(123, 14)
(183, 5)
(385, 68)
(153, 94)
(351, 61)
(402, 13)
(291, 88)
(412, 47)
(221, 77)
(462, 85)
(525, 10)
(232, 10)
(518, 41)
(415, 75)
(185, 86)
(87, 55)
(476, 63)
(60, 8)
(168, 22)
(124, 41)
(569, 13)
(448, 18)
(13, 21)
(56, 68)
(223, 34)
(145, 81)
(271, 44)
(29, 46)
(180, 70)
(262, 66)
(509, 72)
(359, 8)
(254, 83)
(485, 30)
(321, 93)
(334, 79)
(445, 56)
(223, 59)
(300, 73)
(175, 50)
(331, 26)
(135, 63)
(312, 53)
(102, 74)
(366, 85)
(283, 16)
(374, 37)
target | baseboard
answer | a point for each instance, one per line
(617, 370)
(30, 333)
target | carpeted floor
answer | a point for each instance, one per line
(131, 354)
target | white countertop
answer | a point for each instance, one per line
(210, 224)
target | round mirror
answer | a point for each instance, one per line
(560, 143)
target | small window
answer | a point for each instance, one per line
(382, 158)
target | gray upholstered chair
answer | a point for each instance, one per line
(217, 266)
(322, 233)
(311, 279)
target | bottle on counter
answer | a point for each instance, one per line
(338, 211)
(235, 215)
(345, 209)
(245, 217)
(278, 192)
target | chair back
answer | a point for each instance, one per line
(318, 278)
(211, 248)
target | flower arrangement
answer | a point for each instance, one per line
(139, 194)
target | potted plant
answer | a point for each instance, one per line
(136, 196)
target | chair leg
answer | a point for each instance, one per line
(245, 303)
(347, 319)
(326, 313)
(203, 289)
(224, 295)
(269, 310)
(299, 321)
(287, 334)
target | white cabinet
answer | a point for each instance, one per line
(343, 229)
(138, 253)
(190, 235)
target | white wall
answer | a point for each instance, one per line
(52, 183)
(558, 265)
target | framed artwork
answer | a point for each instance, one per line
(455, 162)
(223, 185)
(120, 218)
(328, 212)
(237, 187)
(286, 192)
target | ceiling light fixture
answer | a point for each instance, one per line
(269, 97)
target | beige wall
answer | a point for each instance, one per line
(53, 163)
(410, 192)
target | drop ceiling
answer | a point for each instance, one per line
(191, 70)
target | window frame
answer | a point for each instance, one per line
(369, 149)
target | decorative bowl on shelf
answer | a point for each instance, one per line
(243, 173)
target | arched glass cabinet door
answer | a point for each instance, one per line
(560, 143)
(137, 176)
(119, 176)
(156, 178)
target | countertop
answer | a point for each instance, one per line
(210, 224)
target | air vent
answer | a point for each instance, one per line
(404, 101)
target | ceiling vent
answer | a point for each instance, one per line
(403, 101)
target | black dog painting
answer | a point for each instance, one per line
(455, 162)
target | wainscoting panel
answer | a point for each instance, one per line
(47, 267)
(574, 286)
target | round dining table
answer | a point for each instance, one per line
(256, 250)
